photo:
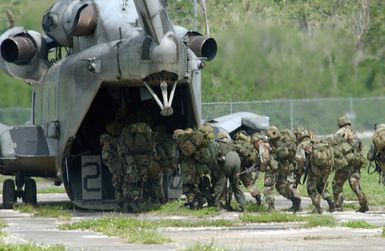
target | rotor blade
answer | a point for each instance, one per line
(154, 18)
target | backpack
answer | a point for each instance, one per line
(379, 139)
(322, 155)
(138, 138)
(287, 145)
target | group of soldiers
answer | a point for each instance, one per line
(213, 166)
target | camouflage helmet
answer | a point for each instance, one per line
(257, 136)
(222, 135)
(206, 129)
(178, 133)
(272, 132)
(343, 120)
(301, 133)
(105, 138)
(379, 126)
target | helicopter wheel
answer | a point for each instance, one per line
(30, 192)
(9, 194)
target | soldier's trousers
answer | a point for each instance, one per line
(316, 187)
(269, 183)
(248, 182)
(285, 187)
(353, 178)
(230, 170)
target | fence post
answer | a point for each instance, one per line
(291, 114)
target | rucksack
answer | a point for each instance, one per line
(322, 155)
(379, 139)
(138, 138)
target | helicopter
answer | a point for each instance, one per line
(96, 60)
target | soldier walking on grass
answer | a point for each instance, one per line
(284, 149)
(351, 146)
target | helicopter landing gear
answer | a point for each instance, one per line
(12, 192)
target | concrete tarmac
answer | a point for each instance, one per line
(272, 236)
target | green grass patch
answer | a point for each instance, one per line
(309, 221)
(29, 247)
(270, 217)
(204, 247)
(58, 210)
(319, 221)
(140, 231)
(129, 229)
(54, 189)
(176, 207)
(358, 224)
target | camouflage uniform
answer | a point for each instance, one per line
(136, 149)
(376, 152)
(284, 148)
(355, 161)
(196, 156)
(164, 163)
(249, 158)
(228, 168)
(268, 165)
(317, 174)
(113, 162)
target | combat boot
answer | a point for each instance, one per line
(296, 204)
(258, 199)
(331, 204)
(318, 208)
(363, 208)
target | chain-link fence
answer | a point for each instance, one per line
(318, 114)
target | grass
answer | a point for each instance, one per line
(129, 229)
(204, 247)
(57, 210)
(319, 221)
(140, 231)
(175, 207)
(53, 189)
(309, 221)
(358, 224)
(270, 217)
(29, 247)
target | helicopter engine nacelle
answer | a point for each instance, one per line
(202, 46)
(24, 54)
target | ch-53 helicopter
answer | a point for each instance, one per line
(107, 55)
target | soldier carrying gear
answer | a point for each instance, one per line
(113, 162)
(268, 165)
(316, 158)
(284, 148)
(376, 151)
(249, 158)
(351, 147)
(228, 169)
(196, 159)
(136, 148)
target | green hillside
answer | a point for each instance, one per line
(267, 48)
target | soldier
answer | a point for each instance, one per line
(164, 163)
(376, 152)
(249, 159)
(268, 165)
(136, 149)
(352, 150)
(113, 162)
(284, 149)
(228, 168)
(194, 157)
(314, 158)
